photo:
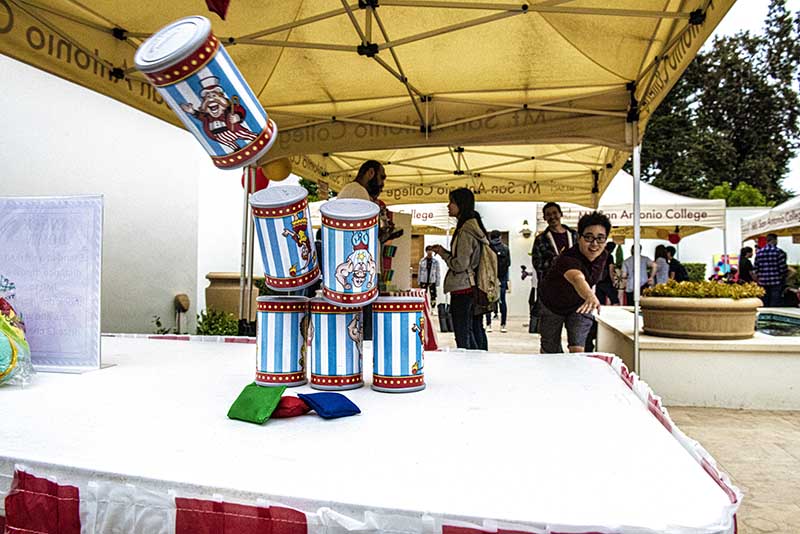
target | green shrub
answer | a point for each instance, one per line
(217, 323)
(158, 326)
(705, 290)
(696, 271)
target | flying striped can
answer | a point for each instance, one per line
(336, 337)
(194, 74)
(283, 226)
(281, 341)
(398, 330)
(349, 251)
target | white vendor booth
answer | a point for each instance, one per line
(496, 443)
(781, 220)
(661, 211)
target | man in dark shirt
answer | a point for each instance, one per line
(771, 269)
(746, 273)
(566, 295)
(677, 271)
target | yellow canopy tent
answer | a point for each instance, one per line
(390, 79)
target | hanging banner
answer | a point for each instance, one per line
(51, 247)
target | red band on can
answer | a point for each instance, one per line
(325, 307)
(188, 66)
(398, 382)
(282, 306)
(348, 380)
(350, 299)
(398, 306)
(282, 211)
(280, 378)
(283, 284)
(343, 224)
(236, 159)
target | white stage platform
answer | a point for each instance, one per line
(526, 441)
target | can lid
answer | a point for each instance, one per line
(282, 299)
(172, 43)
(279, 195)
(349, 209)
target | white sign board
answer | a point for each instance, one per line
(51, 248)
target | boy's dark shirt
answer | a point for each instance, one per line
(557, 294)
(680, 271)
(745, 270)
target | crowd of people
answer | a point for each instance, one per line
(573, 273)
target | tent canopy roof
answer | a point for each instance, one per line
(783, 219)
(347, 78)
(661, 211)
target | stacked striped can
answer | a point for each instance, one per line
(281, 346)
(398, 325)
(336, 343)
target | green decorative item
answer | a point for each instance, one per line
(15, 354)
(705, 290)
(255, 404)
(217, 323)
(695, 271)
(701, 310)
(618, 257)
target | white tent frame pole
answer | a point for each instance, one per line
(245, 277)
(637, 254)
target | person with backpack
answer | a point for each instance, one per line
(469, 276)
(677, 271)
(566, 294)
(503, 263)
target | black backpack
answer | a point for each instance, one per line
(503, 260)
(681, 274)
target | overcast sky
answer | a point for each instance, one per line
(750, 15)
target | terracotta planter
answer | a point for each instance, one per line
(696, 318)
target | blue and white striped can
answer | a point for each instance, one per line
(283, 226)
(281, 341)
(350, 251)
(336, 336)
(194, 74)
(398, 335)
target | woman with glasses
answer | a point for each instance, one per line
(567, 297)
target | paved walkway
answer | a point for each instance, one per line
(760, 450)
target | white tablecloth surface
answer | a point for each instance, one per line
(527, 439)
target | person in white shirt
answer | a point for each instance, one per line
(368, 184)
(428, 276)
(627, 273)
(662, 265)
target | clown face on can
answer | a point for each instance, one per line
(283, 227)
(350, 251)
(398, 330)
(281, 341)
(336, 341)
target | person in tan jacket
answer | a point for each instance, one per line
(462, 264)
